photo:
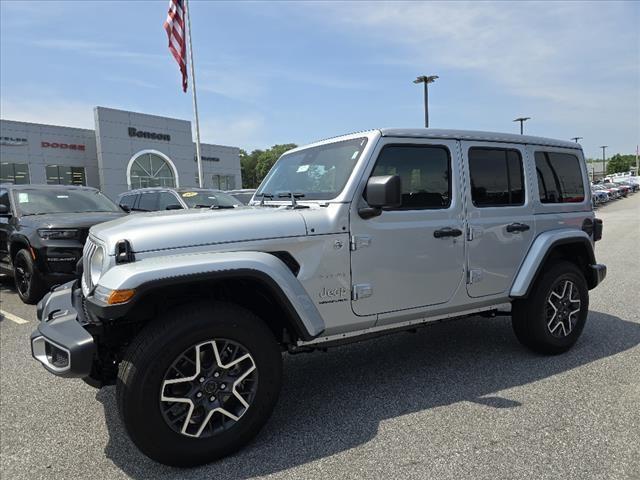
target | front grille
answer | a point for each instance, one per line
(87, 253)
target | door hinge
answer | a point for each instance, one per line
(359, 241)
(474, 275)
(360, 291)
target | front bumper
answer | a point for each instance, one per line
(60, 343)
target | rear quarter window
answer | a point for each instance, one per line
(559, 178)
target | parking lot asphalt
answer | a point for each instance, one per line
(455, 400)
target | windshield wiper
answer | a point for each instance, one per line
(264, 195)
(293, 197)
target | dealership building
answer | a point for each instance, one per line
(126, 150)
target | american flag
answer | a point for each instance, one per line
(176, 32)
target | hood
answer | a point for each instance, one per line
(81, 221)
(188, 228)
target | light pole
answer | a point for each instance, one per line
(604, 170)
(522, 120)
(575, 139)
(426, 79)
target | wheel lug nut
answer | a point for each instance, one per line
(199, 394)
(216, 374)
(212, 398)
(201, 380)
(223, 386)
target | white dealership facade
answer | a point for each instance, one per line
(126, 150)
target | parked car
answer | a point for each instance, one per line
(164, 198)
(599, 196)
(42, 232)
(244, 195)
(614, 193)
(623, 190)
(187, 313)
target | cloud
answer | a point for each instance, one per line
(245, 131)
(66, 113)
(575, 65)
(96, 49)
(136, 82)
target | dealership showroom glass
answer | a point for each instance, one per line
(126, 150)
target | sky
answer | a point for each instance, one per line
(281, 72)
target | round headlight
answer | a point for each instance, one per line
(96, 265)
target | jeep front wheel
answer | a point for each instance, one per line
(199, 383)
(551, 319)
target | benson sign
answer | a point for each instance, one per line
(133, 132)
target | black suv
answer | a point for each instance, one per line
(42, 232)
(164, 198)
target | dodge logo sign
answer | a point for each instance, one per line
(64, 146)
(155, 136)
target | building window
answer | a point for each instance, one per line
(65, 175)
(496, 177)
(151, 170)
(17, 173)
(223, 182)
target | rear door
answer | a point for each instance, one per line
(399, 259)
(500, 219)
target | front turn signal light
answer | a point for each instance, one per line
(120, 296)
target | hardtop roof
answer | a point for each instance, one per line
(477, 136)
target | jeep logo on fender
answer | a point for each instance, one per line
(133, 132)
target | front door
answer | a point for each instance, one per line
(411, 256)
(501, 224)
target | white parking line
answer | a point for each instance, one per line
(13, 318)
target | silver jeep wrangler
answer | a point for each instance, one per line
(188, 312)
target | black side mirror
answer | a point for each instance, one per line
(125, 208)
(4, 211)
(174, 206)
(382, 192)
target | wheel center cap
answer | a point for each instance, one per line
(210, 387)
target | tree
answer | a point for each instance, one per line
(621, 163)
(257, 164)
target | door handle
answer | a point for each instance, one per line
(447, 232)
(517, 227)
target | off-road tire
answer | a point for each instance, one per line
(147, 359)
(529, 316)
(32, 288)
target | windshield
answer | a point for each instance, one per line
(60, 200)
(320, 173)
(208, 198)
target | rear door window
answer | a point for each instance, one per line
(148, 202)
(165, 199)
(559, 178)
(496, 177)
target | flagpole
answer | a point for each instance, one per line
(195, 100)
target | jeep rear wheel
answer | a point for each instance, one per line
(552, 318)
(199, 383)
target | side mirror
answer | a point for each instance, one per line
(174, 206)
(382, 192)
(125, 208)
(4, 211)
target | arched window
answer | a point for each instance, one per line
(151, 169)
